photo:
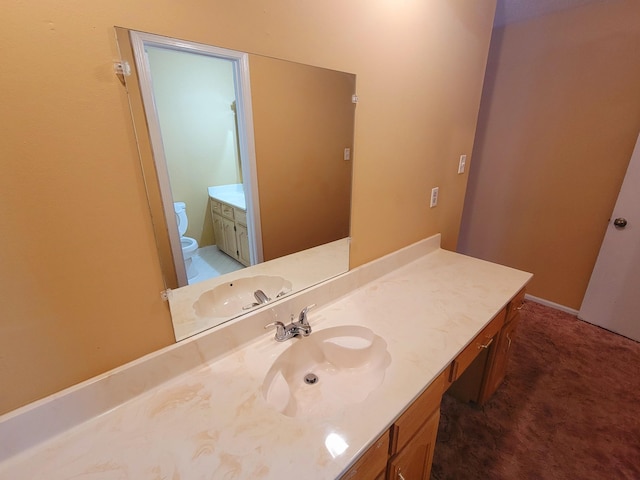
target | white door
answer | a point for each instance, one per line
(612, 299)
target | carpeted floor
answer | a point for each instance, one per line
(569, 409)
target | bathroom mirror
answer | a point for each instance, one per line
(289, 133)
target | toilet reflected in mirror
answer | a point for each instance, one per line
(189, 245)
(201, 263)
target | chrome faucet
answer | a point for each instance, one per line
(261, 297)
(301, 327)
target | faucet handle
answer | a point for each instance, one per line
(276, 324)
(302, 318)
(280, 330)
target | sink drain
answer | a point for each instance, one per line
(310, 378)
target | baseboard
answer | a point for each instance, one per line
(548, 303)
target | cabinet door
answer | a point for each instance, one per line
(372, 463)
(227, 211)
(411, 421)
(218, 231)
(413, 462)
(242, 237)
(229, 234)
(216, 207)
(240, 216)
(498, 368)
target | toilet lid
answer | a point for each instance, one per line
(182, 224)
(181, 217)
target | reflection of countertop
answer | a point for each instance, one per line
(195, 409)
(302, 269)
(231, 194)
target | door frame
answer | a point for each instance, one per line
(242, 84)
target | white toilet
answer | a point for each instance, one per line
(189, 245)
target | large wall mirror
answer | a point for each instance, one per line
(247, 163)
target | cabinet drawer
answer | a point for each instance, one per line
(515, 305)
(216, 207)
(420, 410)
(481, 342)
(372, 462)
(227, 211)
(240, 216)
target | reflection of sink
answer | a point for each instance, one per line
(237, 296)
(349, 362)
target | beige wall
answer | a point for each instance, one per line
(80, 283)
(303, 180)
(559, 118)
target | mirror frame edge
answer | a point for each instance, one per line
(147, 161)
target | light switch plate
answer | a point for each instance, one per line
(434, 197)
(462, 163)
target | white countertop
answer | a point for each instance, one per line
(211, 421)
(232, 194)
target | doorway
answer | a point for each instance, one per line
(197, 103)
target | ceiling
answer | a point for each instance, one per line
(510, 11)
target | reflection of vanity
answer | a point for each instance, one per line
(229, 215)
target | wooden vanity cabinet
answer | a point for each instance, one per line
(415, 459)
(474, 375)
(484, 362)
(230, 230)
(242, 237)
(495, 375)
(496, 368)
(372, 464)
(406, 449)
(413, 435)
(483, 342)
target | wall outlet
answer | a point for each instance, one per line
(434, 197)
(347, 153)
(462, 163)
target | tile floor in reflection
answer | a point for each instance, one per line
(211, 262)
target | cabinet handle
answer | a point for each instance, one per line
(400, 476)
(486, 345)
(521, 306)
(509, 339)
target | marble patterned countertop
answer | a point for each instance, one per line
(195, 410)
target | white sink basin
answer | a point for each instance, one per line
(237, 296)
(320, 374)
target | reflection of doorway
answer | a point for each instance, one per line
(197, 106)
